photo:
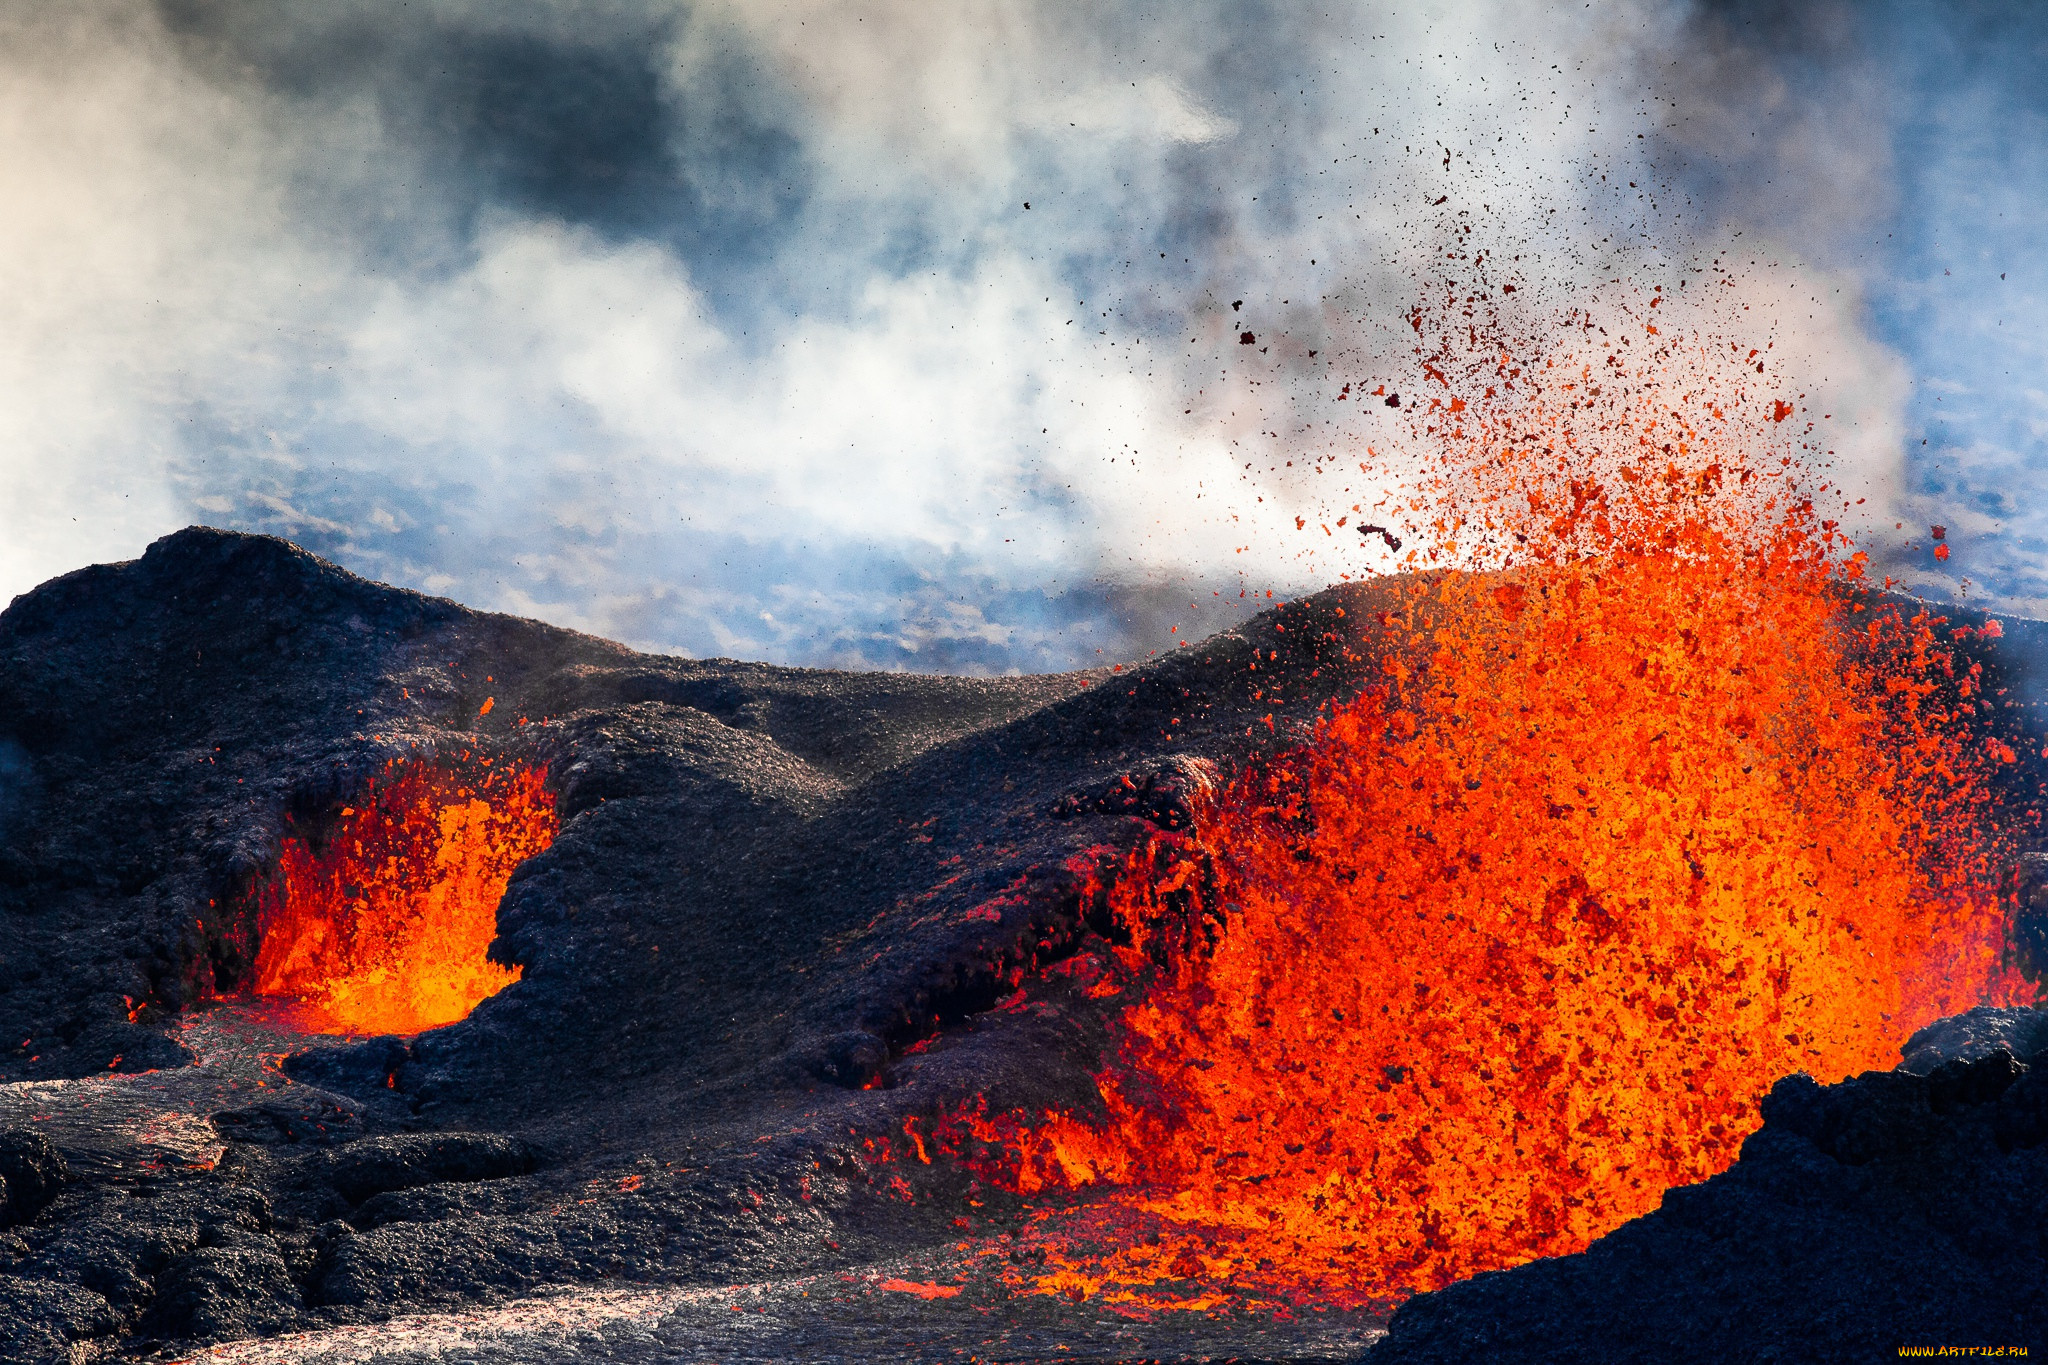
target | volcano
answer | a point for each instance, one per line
(381, 975)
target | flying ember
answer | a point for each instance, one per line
(1654, 801)
(381, 923)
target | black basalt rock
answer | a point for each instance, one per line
(234, 1285)
(2022, 1116)
(31, 1173)
(1890, 1210)
(312, 1119)
(365, 1070)
(1976, 1033)
(51, 1322)
(852, 1060)
(1168, 793)
(377, 1165)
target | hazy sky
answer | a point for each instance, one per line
(724, 327)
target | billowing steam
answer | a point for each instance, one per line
(724, 327)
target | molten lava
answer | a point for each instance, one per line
(1653, 803)
(381, 924)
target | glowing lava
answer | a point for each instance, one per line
(1654, 805)
(381, 924)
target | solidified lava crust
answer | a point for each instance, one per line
(774, 944)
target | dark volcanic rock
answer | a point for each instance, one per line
(31, 1173)
(1166, 793)
(364, 1069)
(378, 1165)
(1891, 1210)
(1976, 1033)
(854, 1060)
(308, 1118)
(236, 1285)
(50, 1322)
(104, 1254)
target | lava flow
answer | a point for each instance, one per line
(1655, 802)
(381, 923)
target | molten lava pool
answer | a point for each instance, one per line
(381, 922)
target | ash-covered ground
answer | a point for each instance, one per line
(779, 927)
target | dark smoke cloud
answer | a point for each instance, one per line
(558, 113)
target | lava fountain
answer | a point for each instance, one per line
(1653, 802)
(381, 923)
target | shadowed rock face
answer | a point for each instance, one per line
(31, 1173)
(779, 911)
(1891, 1210)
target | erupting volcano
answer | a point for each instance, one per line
(1654, 803)
(380, 924)
(1477, 915)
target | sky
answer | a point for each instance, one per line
(899, 335)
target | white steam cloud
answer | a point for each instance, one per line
(724, 328)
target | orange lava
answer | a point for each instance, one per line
(1653, 804)
(381, 924)
(921, 1288)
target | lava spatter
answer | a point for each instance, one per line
(1652, 804)
(381, 925)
